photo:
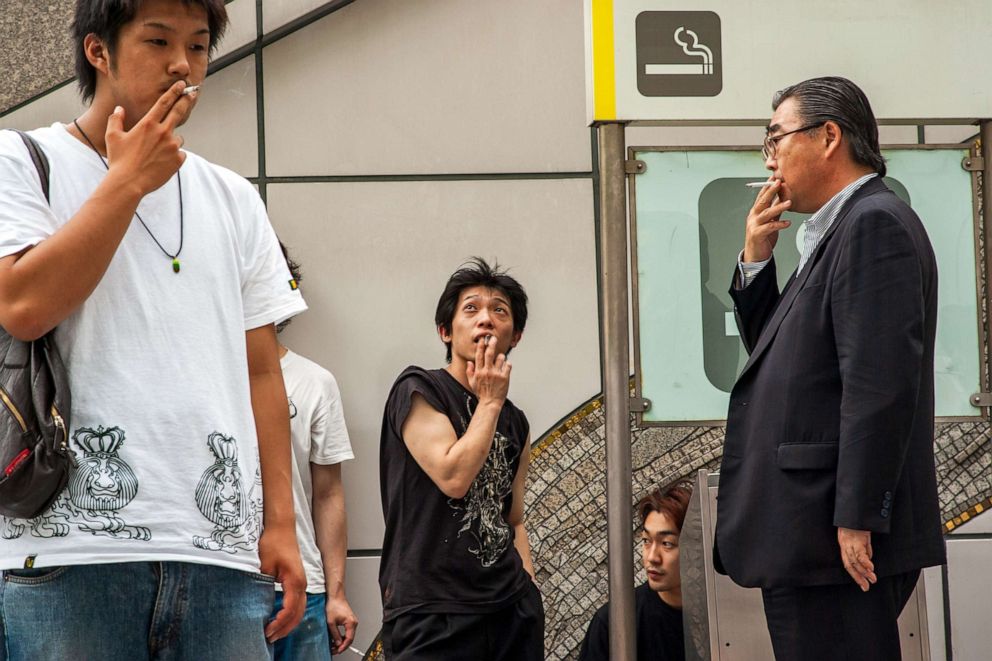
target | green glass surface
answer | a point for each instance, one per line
(690, 211)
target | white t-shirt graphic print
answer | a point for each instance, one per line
(161, 422)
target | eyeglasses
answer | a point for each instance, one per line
(771, 141)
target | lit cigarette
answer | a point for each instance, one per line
(759, 184)
(190, 90)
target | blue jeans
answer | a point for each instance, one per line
(310, 640)
(135, 610)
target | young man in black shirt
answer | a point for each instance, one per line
(456, 573)
(658, 603)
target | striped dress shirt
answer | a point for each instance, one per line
(816, 227)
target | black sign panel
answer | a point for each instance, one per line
(679, 53)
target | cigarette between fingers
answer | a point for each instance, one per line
(759, 184)
(190, 90)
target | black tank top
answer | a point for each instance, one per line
(441, 554)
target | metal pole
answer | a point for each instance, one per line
(985, 134)
(616, 391)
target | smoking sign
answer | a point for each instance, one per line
(679, 53)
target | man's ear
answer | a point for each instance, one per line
(516, 338)
(443, 334)
(97, 53)
(832, 134)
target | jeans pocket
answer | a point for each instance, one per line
(262, 578)
(34, 576)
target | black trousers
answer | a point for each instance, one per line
(838, 622)
(515, 633)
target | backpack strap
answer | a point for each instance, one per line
(39, 159)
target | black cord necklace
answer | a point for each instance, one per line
(174, 258)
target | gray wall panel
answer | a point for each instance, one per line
(375, 258)
(436, 86)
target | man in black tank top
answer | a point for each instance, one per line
(456, 576)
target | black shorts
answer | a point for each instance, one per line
(515, 633)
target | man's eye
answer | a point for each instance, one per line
(199, 48)
(158, 42)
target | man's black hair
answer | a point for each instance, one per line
(294, 270)
(105, 18)
(836, 99)
(477, 273)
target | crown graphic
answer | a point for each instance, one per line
(100, 440)
(224, 448)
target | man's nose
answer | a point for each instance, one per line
(770, 162)
(654, 554)
(485, 318)
(179, 67)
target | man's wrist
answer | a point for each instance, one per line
(493, 404)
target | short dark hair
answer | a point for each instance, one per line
(105, 18)
(477, 273)
(294, 270)
(672, 501)
(836, 99)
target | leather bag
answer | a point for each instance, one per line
(34, 410)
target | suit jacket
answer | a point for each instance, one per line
(831, 419)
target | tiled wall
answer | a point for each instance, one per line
(394, 139)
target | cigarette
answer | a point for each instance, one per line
(190, 90)
(759, 184)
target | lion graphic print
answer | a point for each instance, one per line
(101, 484)
(481, 509)
(222, 498)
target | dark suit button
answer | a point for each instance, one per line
(888, 495)
(885, 513)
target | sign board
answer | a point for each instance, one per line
(689, 208)
(653, 61)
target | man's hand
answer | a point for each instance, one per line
(339, 614)
(489, 374)
(280, 558)
(764, 223)
(855, 553)
(150, 152)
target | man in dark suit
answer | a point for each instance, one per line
(828, 495)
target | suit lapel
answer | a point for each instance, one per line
(797, 283)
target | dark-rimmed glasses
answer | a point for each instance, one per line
(771, 141)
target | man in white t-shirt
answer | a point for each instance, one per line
(320, 444)
(164, 281)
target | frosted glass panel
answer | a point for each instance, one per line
(690, 209)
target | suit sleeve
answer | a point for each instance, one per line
(754, 304)
(877, 305)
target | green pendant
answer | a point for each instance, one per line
(175, 265)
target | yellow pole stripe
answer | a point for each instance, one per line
(603, 66)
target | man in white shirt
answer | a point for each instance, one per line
(163, 280)
(320, 445)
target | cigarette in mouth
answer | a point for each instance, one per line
(759, 184)
(190, 90)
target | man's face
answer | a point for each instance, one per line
(480, 312)
(796, 158)
(167, 41)
(660, 552)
